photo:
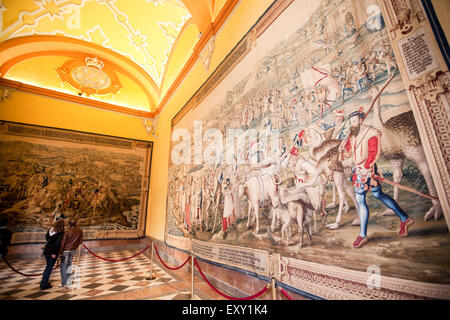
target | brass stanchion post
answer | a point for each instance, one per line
(274, 292)
(77, 270)
(151, 263)
(79, 253)
(192, 275)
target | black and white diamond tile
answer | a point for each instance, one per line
(97, 277)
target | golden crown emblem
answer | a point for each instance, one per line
(94, 62)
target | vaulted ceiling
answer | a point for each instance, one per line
(131, 54)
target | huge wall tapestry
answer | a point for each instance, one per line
(308, 150)
(99, 180)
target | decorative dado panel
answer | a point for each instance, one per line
(426, 76)
(338, 283)
(321, 280)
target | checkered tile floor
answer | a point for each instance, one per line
(97, 278)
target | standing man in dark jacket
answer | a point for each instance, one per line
(51, 251)
(73, 238)
(5, 237)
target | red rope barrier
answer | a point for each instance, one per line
(286, 294)
(165, 265)
(110, 260)
(227, 296)
(24, 274)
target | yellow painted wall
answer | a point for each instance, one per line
(244, 16)
(40, 110)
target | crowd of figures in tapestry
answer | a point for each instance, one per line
(43, 178)
(325, 77)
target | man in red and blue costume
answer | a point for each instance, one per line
(298, 142)
(364, 146)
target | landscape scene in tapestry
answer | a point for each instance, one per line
(42, 179)
(349, 185)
